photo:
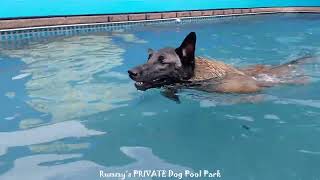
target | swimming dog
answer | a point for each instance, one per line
(175, 68)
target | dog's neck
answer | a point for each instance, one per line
(210, 69)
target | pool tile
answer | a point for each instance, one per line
(136, 17)
(183, 14)
(218, 12)
(154, 16)
(261, 10)
(237, 11)
(169, 15)
(117, 18)
(195, 13)
(207, 13)
(245, 11)
(122, 22)
(228, 12)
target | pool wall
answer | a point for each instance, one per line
(43, 28)
(34, 13)
(41, 8)
(30, 23)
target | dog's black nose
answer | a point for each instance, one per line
(133, 73)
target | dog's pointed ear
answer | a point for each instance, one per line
(150, 51)
(187, 49)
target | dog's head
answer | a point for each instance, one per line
(166, 66)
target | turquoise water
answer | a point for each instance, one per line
(27, 8)
(69, 110)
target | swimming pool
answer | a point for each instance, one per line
(69, 110)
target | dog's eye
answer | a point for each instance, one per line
(161, 59)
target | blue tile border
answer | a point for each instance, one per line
(69, 30)
(29, 34)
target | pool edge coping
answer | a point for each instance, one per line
(66, 21)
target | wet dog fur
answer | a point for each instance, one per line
(175, 68)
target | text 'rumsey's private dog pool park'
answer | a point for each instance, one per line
(161, 174)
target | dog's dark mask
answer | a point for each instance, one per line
(166, 66)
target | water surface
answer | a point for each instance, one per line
(68, 108)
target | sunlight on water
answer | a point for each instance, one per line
(63, 83)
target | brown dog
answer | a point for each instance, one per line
(179, 68)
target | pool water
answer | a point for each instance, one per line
(69, 110)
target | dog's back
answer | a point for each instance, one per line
(211, 69)
(228, 79)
